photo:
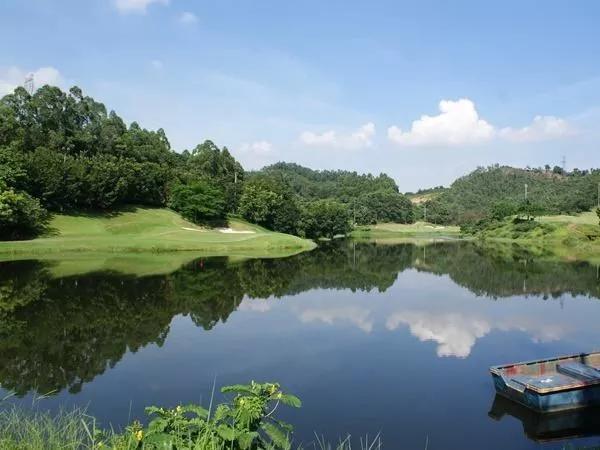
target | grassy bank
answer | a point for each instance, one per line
(146, 230)
(244, 421)
(396, 231)
(569, 237)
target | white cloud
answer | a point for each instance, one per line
(136, 6)
(188, 18)
(541, 129)
(457, 124)
(14, 76)
(360, 138)
(259, 148)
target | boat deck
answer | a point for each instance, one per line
(552, 375)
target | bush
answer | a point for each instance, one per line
(21, 215)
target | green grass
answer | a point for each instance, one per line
(395, 231)
(569, 237)
(150, 230)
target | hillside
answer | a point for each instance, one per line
(342, 185)
(478, 194)
(569, 236)
(152, 230)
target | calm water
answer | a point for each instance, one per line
(390, 338)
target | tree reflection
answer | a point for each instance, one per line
(60, 333)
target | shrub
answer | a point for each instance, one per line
(21, 215)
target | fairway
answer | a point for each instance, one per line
(400, 230)
(152, 230)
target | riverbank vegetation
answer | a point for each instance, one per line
(63, 154)
(247, 421)
(567, 236)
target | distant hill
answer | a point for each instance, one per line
(551, 191)
(341, 185)
(423, 195)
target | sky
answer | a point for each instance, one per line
(424, 91)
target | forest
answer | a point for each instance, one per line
(497, 192)
(65, 152)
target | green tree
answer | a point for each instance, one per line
(199, 202)
(269, 201)
(384, 206)
(325, 218)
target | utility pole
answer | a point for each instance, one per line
(425, 212)
(526, 191)
(29, 85)
(564, 164)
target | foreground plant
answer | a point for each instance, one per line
(246, 422)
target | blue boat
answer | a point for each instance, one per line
(551, 385)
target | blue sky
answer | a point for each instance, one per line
(424, 91)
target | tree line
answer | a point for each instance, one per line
(495, 192)
(64, 151)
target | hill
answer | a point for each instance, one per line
(143, 229)
(478, 194)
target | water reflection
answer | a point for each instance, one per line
(549, 427)
(60, 333)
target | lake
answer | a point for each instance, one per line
(373, 338)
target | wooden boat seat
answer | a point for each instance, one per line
(580, 371)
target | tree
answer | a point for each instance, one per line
(21, 216)
(325, 218)
(269, 201)
(598, 214)
(383, 206)
(199, 202)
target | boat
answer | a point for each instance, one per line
(549, 427)
(551, 385)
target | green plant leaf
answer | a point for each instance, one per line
(238, 388)
(196, 409)
(226, 432)
(245, 439)
(290, 400)
(277, 436)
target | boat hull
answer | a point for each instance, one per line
(549, 402)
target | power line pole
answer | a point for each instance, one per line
(526, 191)
(425, 211)
(564, 164)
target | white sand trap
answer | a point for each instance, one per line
(232, 231)
(191, 229)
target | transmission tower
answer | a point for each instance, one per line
(29, 84)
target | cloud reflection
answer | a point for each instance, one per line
(353, 314)
(456, 334)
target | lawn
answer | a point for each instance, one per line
(144, 230)
(399, 230)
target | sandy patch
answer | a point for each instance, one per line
(191, 229)
(232, 231)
